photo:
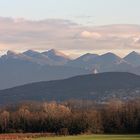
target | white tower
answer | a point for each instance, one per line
(95, 71)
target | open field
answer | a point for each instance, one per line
(37, 136)
(95, 137)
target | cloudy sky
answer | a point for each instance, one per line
(73, 26)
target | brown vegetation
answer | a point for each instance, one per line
(22, 136)
(71, 117)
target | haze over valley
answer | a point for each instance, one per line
(33, 66)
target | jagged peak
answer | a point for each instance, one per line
(30, 52)
(56, 53)
(87, 56)
(110, 54)
(53, 51)
(134, 53)
(9, 52)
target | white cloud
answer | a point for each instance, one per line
(87, 34)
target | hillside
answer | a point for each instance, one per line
(97, 87)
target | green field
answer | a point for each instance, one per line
(95, 137)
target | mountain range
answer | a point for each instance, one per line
(32, 66)
(99, 87)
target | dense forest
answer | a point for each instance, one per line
(71, 117)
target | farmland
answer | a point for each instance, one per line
(95, 137)
(37, 136)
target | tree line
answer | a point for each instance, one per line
(71, 117)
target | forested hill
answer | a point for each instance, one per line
(97, 87)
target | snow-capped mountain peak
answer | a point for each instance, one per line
(11, 53)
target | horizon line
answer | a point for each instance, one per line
(65, 52)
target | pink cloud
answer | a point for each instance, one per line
(22, 34)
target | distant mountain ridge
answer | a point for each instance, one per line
(133, 58)
(33, 66)
(103, 63)
(98, 87)
(58, 58)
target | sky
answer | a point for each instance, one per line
(96, 12)
(87, 25)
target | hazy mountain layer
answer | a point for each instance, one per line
(32, 66)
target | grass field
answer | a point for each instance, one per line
(95, 137)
